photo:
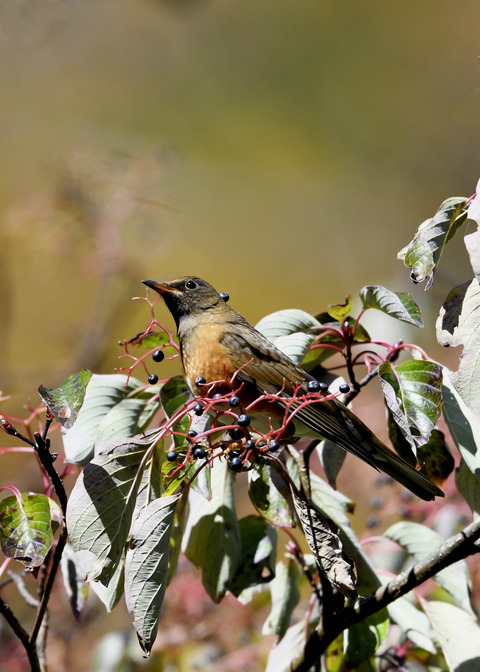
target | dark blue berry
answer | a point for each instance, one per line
(158, 356)
(192, 433)
(224, 296)
(273, 446)
(243, 420)
(344, 388)
(200, 381)
(234, 401)
(153, 379)
(236, 464)
(372, 521)
(199, 453)
(218, 395)
(172, 456)
(323, 387)
(198, 409)
(236, 434)
(313, 386)
(250, 444)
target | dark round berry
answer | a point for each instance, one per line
(171, 456)
(236, 463)
(200, 381)
(192, 433)
(224, 296)
(376, 502)
(323, 387)
(243, 420)
(218, 395)
(198, 409)
(153, 379)
(372, 521)
(313, 386)
(236, 434)
(158, 356)
(344, 388)
(273, 446)
(234, 401)
(199, 453)
(250, 444)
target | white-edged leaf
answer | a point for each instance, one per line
(212, 536)
(459, 324)
(399, 305)
(463, 423)
(146, 567)
(423, 253)
(458, 634)
(419, 541)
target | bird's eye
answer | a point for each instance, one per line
(191, 284)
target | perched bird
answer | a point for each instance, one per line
(216, 342)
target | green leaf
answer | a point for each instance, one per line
(340, 311)
(64, 402)
(331, 459)
(146, 567)
(74, 580)
(263, 489)
(27, 527)
(458, 634)
(464, 425)
(212, 538)
(459, 324)
(399, 305)
(155, 339)
(365, 637)
(176, 535)
(413, 395)
(257, 562)
(175, 394)
(102, 503)
(468, 486)
(423, 253)
(107, 415)
(436, 458)
(285, 597)
(419, 541)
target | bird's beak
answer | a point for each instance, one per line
(159, 287)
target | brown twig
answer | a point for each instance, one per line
(456, 548)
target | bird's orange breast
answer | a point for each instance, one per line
(204, 355)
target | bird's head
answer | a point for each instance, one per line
(187, 296)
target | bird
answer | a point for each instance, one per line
(219, 344)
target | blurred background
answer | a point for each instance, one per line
(283, 151)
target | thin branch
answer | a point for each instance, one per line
(22, 635)
(456, 548)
